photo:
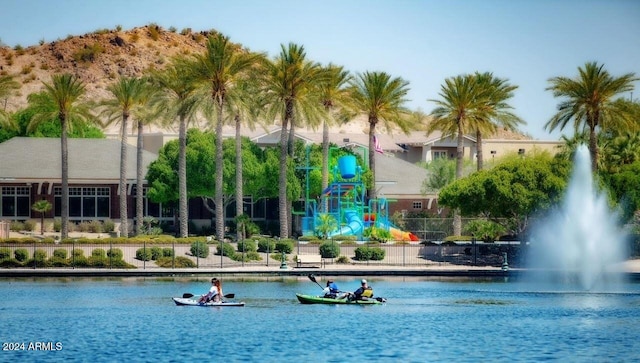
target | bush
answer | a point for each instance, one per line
(5, 253)
(247, 246)
(367, 253)
(200, 249)
(16, 226)
(115, 254)
(284, 245)
(266, 245)
(178, 262)
(108, 226)
(29, 225)
(143, 254)
(99, 252)
(60, 253)
(167, 252)
(21, 254)
(342, 259)
(40, 255)
(329, 249)
(156, 253)
(227, 250)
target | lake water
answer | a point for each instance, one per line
(424, 320)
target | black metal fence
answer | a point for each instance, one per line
(108, 255)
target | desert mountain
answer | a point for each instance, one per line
(99, 58)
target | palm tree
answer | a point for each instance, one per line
(289, 83)
(176, 99)
(218, 70)
(143, 115)
(62, 101)
(495, 111)
(456, 114)
(334, 96)
(42, 207)
(381, 98)
(7, 86)
(128, 94)
(589, 102)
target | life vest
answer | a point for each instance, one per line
(368, 292)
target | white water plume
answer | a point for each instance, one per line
(582, 242)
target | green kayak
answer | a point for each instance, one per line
(311, 299)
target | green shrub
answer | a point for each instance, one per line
(21, 254)
(247, 246)
(143, 254)
(156, 252)
(108, 226)
(5, 253)
(329, 249)
(366, 253)
(78, 252)
(178, 262)
(115, 254)
(57, 225)
(16, 226)
(99, 252)
(167, 252)
(284, 245)
(377, 234)
(29, 225)
(342, 259)
(200, 249)
(227, 250)
(40, 255)
(94, 227)
(60, 253)
(266, 245)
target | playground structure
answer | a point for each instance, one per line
(345, 200)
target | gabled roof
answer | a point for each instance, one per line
(396, 177)
(91, 160)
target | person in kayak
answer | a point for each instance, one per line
(364, 292)
(332, 290)
(215, 292)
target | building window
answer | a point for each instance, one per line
(438, 154)
(85, 202)
(15, 202)
(149, 208)
(417, 205)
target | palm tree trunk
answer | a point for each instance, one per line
(457, 220)
(325, 160)
(479, 155)
(139, 178)
(239, 182)
(183, 213)
(593, 147)
(372, 159)
(282, 177)
(64, 202)
(291, 151)
(124, 228)
(219, 180)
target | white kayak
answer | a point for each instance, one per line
(181, 301)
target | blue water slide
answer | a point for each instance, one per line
(354, 225)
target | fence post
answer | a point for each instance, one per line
(35, 261)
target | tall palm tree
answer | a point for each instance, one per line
(290, 82)
(62, 101)
(7, 86)
(588, 100)
(127, 95)
(177, 99)
(456, 114)
(143, 115)
(382, 99)
(334, 96)
(219, 69)
(495, 112)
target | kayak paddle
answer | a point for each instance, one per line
(313, 278)
(187, 295)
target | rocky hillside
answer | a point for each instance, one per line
(101, 57)
(97, 58)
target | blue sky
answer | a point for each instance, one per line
(423, 42)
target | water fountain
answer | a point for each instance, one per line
(581, 242)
